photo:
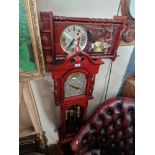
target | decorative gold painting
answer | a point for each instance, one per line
(31, 62)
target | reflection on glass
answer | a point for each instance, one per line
(99, 38)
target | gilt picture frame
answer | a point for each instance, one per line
(31, 62)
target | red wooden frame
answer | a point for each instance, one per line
(47, 37)
(52, 27)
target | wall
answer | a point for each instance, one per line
(129, 70)
(107, 84)
(80, 8)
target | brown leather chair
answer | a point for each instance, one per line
(109, 131)
(128, 88)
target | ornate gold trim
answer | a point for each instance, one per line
(36, 42)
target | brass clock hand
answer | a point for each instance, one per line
(74, 87)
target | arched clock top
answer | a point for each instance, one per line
(77, 60)
(75, 70)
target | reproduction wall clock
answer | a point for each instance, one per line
(99, 38)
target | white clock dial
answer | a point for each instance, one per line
(70, 36)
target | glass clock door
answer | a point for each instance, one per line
(75, 84)
(73, 118)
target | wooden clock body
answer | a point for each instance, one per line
(107, 30)
(81, 63)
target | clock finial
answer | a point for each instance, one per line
(77, 49)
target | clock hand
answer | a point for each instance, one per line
(74, 87)
(71, 43)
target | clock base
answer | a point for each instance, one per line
(63, 139)
(64, 149)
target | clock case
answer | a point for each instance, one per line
(75, 62)
(107, 30)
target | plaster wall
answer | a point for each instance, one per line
(43, 89)
(80, 8)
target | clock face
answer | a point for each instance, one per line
(75, 84)
(69, 37)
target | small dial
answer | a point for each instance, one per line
(75, 84)
(69, 38)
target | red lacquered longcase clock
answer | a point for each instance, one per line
(99, 38)
(73, 86)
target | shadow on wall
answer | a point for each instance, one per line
(45, 102)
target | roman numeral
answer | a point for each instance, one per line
(74, 28)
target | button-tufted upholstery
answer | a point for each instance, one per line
(109, 131)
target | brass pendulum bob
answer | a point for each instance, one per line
(78, 111)
(74, 115)
(66, 115)
(78, 115)
(66, 119)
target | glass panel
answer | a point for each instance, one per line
(73, 118)
(100, 38)
(75, 84)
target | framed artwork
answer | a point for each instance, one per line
(31, 62)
